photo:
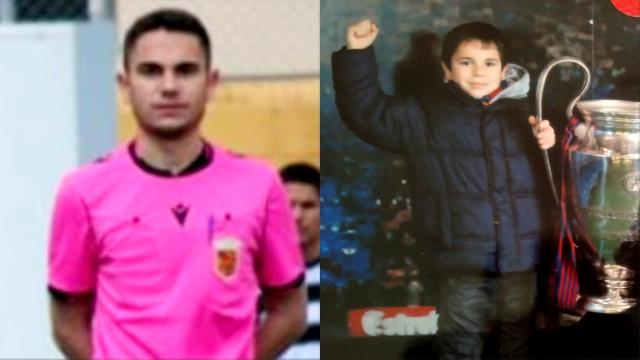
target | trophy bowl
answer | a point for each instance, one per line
(605, 173)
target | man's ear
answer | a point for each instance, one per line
(446, 71)
(123, 84)
(213, 79)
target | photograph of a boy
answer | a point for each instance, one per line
(472, 153)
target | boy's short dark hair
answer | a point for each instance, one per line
(167, 19)
(302, 173)
(486, 33)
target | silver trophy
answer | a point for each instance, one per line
(605, 175)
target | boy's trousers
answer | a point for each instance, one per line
(470, 307)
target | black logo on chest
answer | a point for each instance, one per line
(180, 211)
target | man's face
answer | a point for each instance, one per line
(476, 67)
(305, 204)
(168, 83)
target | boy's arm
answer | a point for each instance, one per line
(543, 132)
(361, 35)
(381, 120)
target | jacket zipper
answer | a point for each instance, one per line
(490, 180)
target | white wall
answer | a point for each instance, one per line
(57, 110)
(250, 37)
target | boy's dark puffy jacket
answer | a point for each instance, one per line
(478, 187)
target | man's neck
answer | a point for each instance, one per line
(170, 155)
(312, 251)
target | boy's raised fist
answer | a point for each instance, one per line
(362, 34)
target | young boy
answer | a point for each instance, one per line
(476, 178)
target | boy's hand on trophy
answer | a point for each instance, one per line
(361, 35)
(543, 132)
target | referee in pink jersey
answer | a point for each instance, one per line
(161, 248)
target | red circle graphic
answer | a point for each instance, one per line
(628, 7)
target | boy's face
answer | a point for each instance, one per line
(476, 67)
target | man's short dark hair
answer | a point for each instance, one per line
(171, 20)
(302, 173)
(486, 33)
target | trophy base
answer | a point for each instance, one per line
(618, 281)
(608, 305)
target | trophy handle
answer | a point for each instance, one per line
(542, 79)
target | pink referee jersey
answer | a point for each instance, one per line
(177, 263)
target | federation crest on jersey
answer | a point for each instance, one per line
(226, 259)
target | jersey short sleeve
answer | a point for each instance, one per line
(72, 245)
(281, 261)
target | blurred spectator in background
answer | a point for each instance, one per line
(302, 182)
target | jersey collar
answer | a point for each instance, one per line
(200, 162)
